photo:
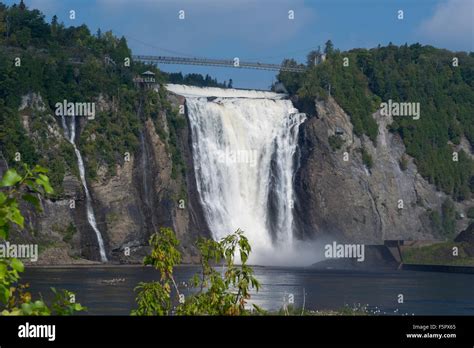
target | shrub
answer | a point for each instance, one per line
(217, 294)
(367, 158)
(403, 163)
(15, 298)
(470, 213)
(335, 142)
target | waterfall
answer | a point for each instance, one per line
(147, 182)
(70, 134)
(243, 145)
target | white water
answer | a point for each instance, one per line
(190, 91)
(70, 134)
(238, 192)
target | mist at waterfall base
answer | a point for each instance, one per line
(244, 146)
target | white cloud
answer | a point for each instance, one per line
(452, 25)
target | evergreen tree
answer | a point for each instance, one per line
(329, 48)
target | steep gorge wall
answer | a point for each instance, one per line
(336, 199)
(145, 195)
(141, 197)
(345, 200)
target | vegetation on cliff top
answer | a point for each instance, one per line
(60, 63)
(70, 63)
(416, 73)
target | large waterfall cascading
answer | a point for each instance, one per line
(70, 134)
(243, 146)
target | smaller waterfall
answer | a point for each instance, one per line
(147, 182)
(70, 134)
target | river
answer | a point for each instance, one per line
(424, 293)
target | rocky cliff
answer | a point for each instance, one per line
(129, 206)
(342, 197)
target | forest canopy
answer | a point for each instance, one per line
(440, 80)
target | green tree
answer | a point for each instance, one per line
(54, 26)
(416, 73)
(329, 47)
(448, 215)
(155, 298)
(16, 300)
(219, 294)
(216, 293)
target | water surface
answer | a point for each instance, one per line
(425, 293)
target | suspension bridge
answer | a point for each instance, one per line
(227, 63)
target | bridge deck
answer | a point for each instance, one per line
(217, 62)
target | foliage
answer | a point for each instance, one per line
(27, 186)
(439, 254)
(448, 213)
(415, 73)
(60, 63)
(470, 213)
(403, 162)
(216, 293)
(155, 298)
(176, 124)
(367, 158)
(354, 310)
(347, 85)
(69, 63)
(335, 142)
(34, 180)
(228, 293)
(444, 223)
(196, 80)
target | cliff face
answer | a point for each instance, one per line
(141, 197)
(341, 198)
(145, 194)
(338, 196)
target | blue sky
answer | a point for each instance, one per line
(260, 30)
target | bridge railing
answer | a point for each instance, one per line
(217, 62)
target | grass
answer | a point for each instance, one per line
(356, 310)
(438, 254)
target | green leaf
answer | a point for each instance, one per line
(27, 308)
(3, 270)
(39, 169)
(32, 199)
(43, 180)
(16, 217)
(39, 304)
(4, 231)
(3, 197)
(10, 178)
(17, 265)
(4, 293)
